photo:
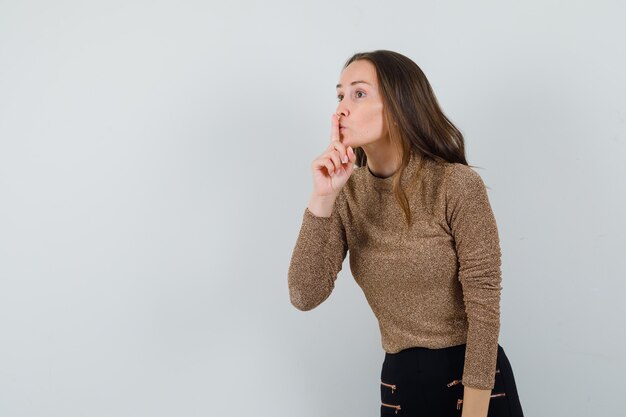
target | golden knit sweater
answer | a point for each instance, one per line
(434, 285)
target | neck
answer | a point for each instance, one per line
(382, 160)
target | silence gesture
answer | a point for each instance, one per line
(332, 168)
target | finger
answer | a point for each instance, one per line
(342, 150)
(352, 161)
(334, 128)
(333, 156)
(323, 162)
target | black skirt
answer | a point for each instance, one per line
(427, 382)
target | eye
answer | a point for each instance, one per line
(340, 96)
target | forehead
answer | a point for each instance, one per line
(361, 70)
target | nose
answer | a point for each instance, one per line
(342, 110)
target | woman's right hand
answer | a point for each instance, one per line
(332, 169)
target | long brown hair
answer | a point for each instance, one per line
(413, 117)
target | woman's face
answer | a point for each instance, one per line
(360, 107)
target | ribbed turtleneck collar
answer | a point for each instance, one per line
(386, 184)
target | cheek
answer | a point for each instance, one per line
(376, 120)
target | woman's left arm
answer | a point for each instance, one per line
(473, 226)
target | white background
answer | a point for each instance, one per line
(155, 165)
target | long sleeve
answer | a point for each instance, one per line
(475, 233)
(317, 257)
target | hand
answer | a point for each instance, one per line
(332, 168)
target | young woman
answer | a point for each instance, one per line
(423, 243)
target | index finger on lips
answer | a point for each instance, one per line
(335, 141)
(334, 128)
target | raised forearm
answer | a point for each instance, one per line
(475, 402)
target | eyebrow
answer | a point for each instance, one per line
(355, 82)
